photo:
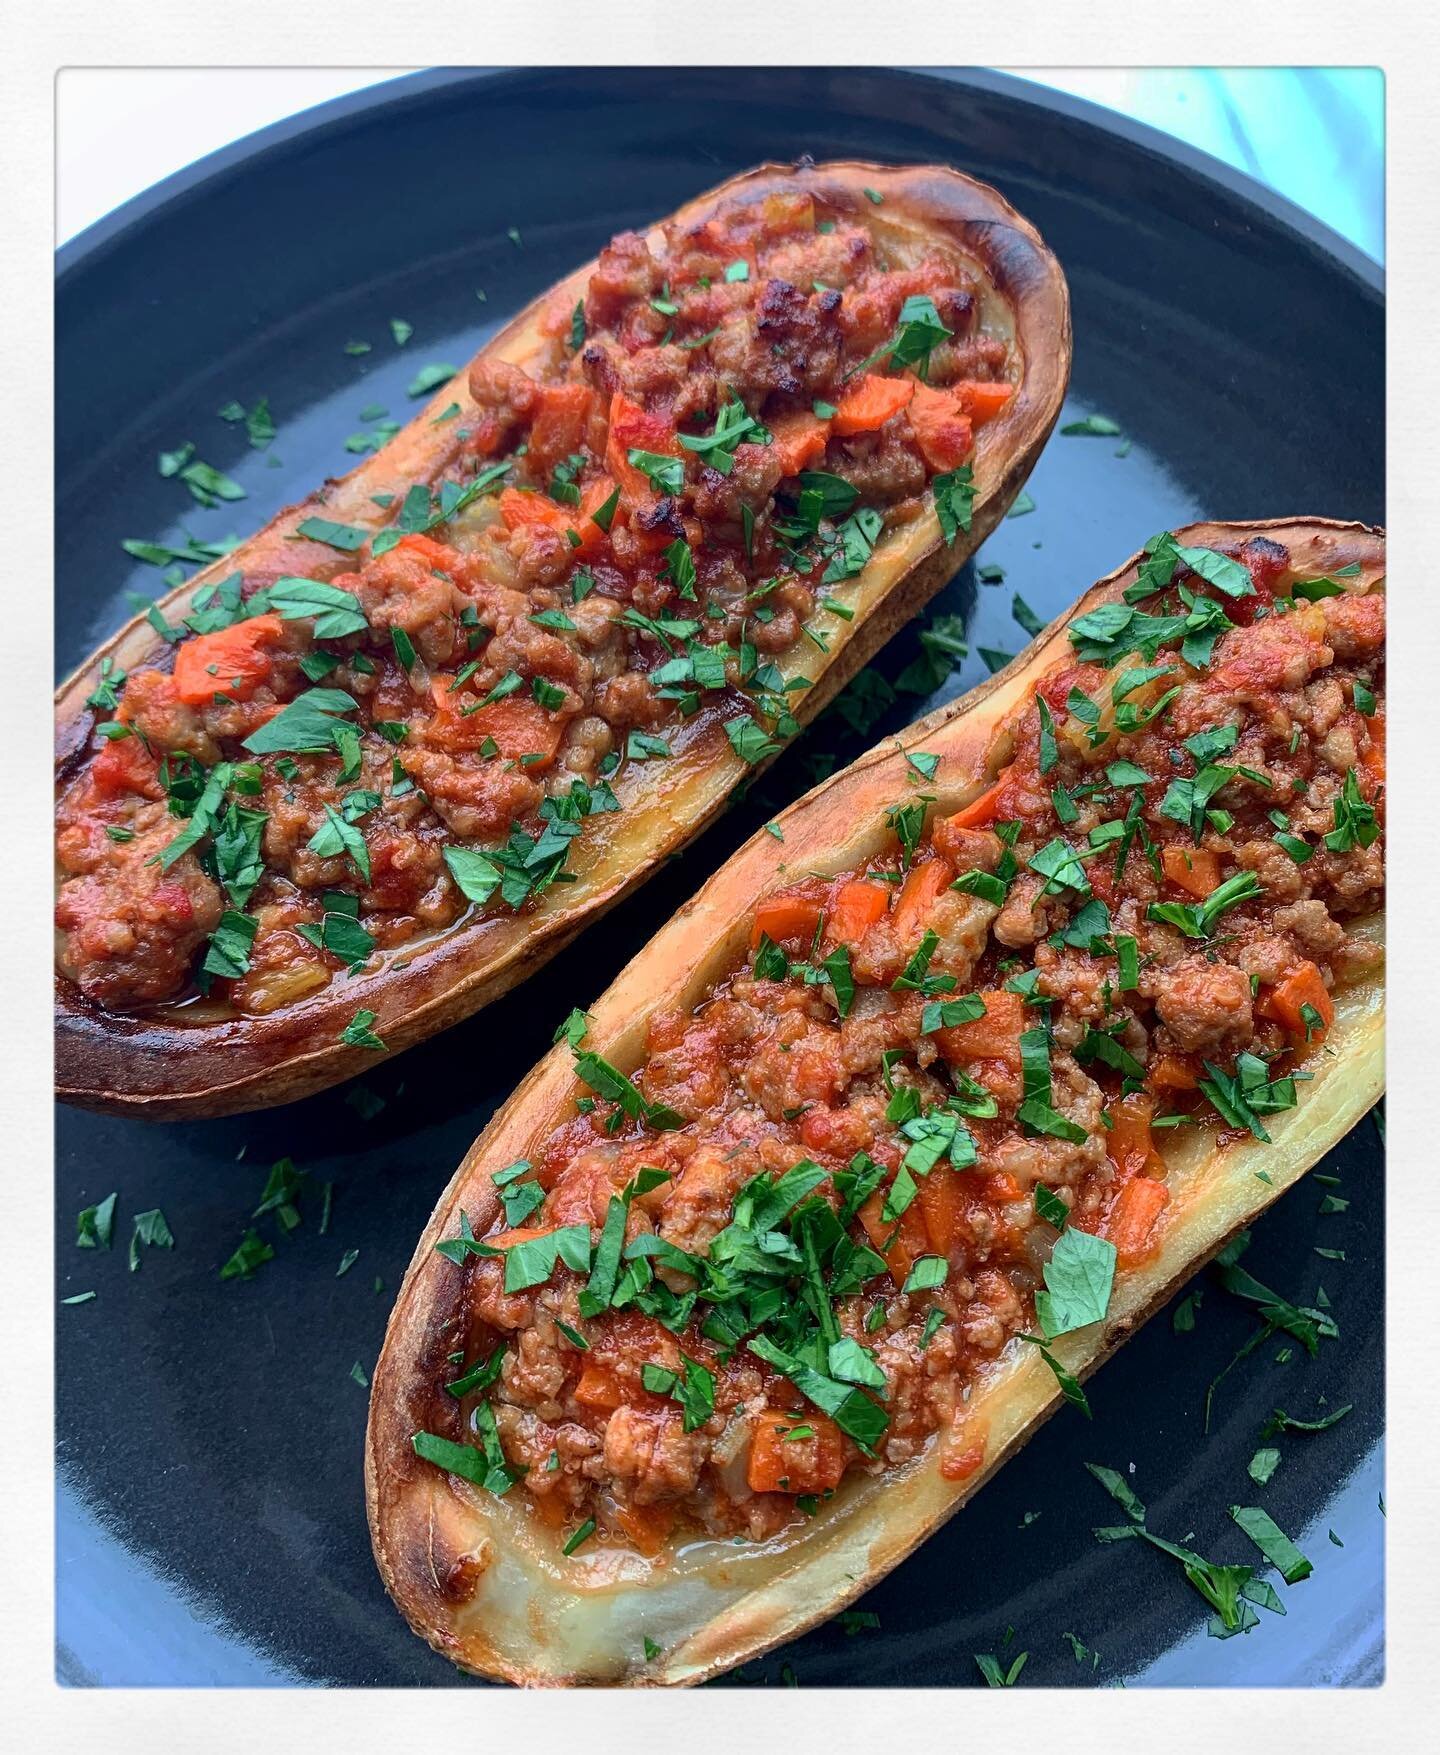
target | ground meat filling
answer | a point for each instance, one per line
(648, 520)
(828, 1197)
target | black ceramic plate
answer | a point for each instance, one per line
(211, 1524)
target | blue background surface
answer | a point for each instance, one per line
(1313, 134)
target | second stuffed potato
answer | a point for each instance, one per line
(899, 1128)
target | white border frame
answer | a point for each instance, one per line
(1402, 39)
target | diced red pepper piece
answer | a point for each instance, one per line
(232, 661)
(872, 401)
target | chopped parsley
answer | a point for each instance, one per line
(665, 474)
(1229, 1590)
(1272, 1542)
(1078, 1280)
(307, 725)
(580, 1537)
(95, 1226)
(483, 1465)
(1198, 920)
(717, 448)
(430, 377)
(359, 1034)
(253, 1252)
(749, 741)
(1093, 426)
(348, 537)
(609, 1083)
(1249, 1092)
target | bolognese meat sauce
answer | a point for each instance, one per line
(920, 1118)
(633, 534)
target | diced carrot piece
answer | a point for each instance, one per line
(856, 906)
(798, 440)
(1131, 1148)
(923, 883)
(982, 402)
(1172, 1072)
(518, 508)
(435, 554)
(232, 661)
(520, 1234)
(598, 1387)
(981, 810)
(1128, 1140)
(630, 424)
(1131, 1223)
(1303, 986)
(125, 765)
(872, 401)
(1195, 870)
(519, 726)
(940, 1209)
(996, 1036)
(789, 916)
(597, 495)
(795, 1465)
(558, 430)
(941, 427)
(647, 1526)
(632, 429)
(909, 1242)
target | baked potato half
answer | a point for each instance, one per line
(632, 1409)
(182, 988)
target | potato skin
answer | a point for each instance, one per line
(486, 1590)
(148, 1067)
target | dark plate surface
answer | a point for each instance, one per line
(211, 1526)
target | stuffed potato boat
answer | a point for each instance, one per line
(364, 774)
(900, 1127)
